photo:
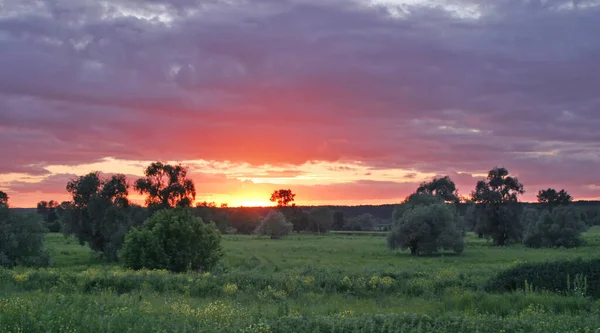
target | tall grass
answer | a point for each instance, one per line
(302, 283)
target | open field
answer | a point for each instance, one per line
(303, 283)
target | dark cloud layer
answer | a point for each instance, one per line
(457, 87)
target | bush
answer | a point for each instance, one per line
(274, 225)
(21, 239)
(561, 227)
(173, 239)
(427, 229)
(576, 276)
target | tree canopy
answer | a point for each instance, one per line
(498, 215)
(553, 198)
(21, 239)
(99, 213)
(274, 225)
(166, 186)
(441, 187)
(427, 227)
(283, 197)
(560, 227)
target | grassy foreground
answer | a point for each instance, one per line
(332, 283)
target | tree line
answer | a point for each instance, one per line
(169, 233)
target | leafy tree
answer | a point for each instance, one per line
(552, 198)
(413, 200)
(166, 186)
(274, 225)
(560, 227)
(99, 213)
(282, 197)
(21, 239)
(244, 220)
(426, 228)
(441, 187)
(498, 212)
(3, 198)
(175, 240)
(47, 209)
(320, 219)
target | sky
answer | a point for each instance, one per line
(343, 101)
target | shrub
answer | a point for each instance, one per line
(561, 227)
(173, 239)
(581, 276)
(427, 229)
(274, 225)
(21, 239)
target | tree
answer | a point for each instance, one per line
(244, 220)
(320, 219)
(426, 229)
(441, 187)
(21, 239)
(297, 217)
(552, 198)
(274, 225)
(283, 197)
(166, 186)
(363, 222)
(47, 209)
(414, 200)
(175, 240)
(339, 221)
(3, 198)
(99, 213)
(559, 227)
(498, 212)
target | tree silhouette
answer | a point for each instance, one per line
(283, 197)
(496, 198)
(3, 198)
(552, 198)
(166, 186)
(441, 187)
(99, 212)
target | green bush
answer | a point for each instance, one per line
(561, 227)
(173, 239)
(579, 276)
(427, 228)
(21, 239)
(274, 225)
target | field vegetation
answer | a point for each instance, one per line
(490, 265)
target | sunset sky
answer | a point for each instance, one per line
(343, 101)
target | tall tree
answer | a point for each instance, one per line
(552, 198)
(441, 187)
(99, 212)
(166, 186)
(497, 200)
(283, 197)
(3, 198)
(47, 209)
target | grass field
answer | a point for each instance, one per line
(303, 283)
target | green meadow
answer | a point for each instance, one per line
(301, 283)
